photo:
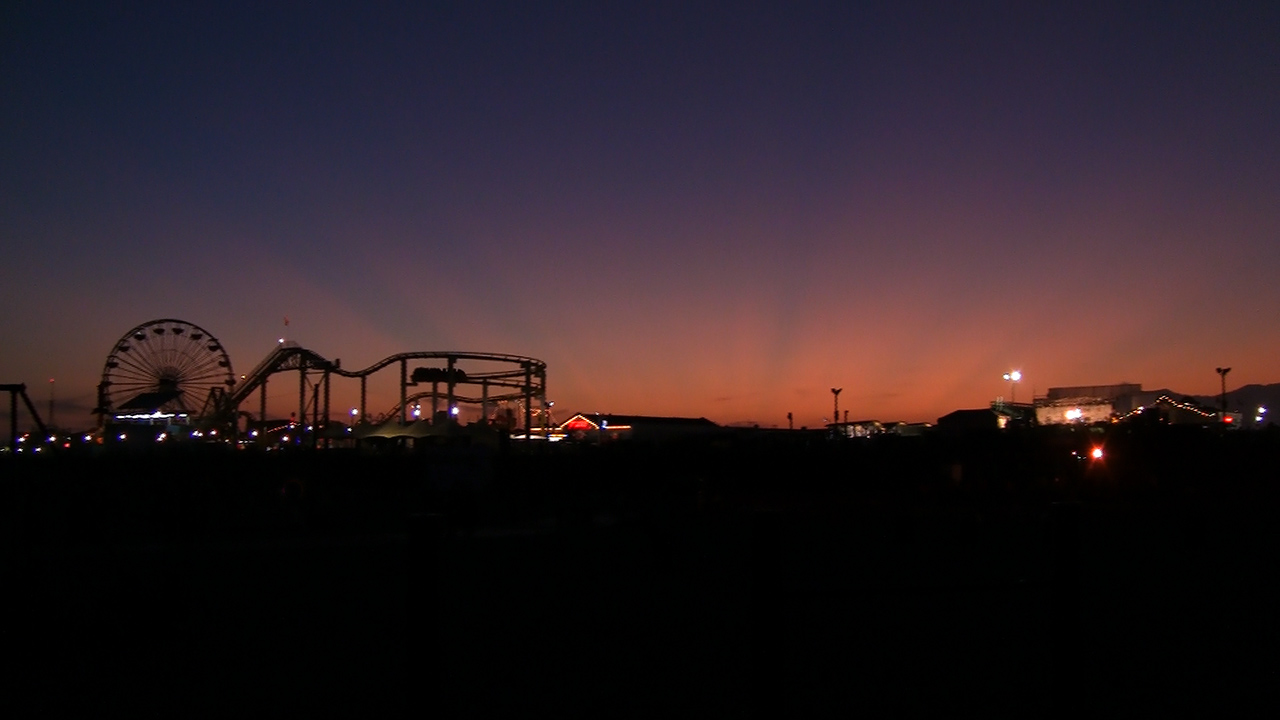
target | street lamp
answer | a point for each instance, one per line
(1012, 377)
(1222, 372)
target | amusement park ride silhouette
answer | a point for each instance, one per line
(173, 366)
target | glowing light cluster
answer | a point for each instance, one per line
(157, 415)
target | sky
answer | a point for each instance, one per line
(695, 209)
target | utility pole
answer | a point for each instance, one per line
(835, 397)
(1223, 373)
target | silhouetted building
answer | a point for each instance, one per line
(960, 421)
(856, 429)
(1013, 414)
(907, 429)
(1071, 411)
(1122, 397)
(605, 427)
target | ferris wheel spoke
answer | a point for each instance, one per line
(184, 358)
(170, 356)
(132, 365)
(165, 354)
(183, 361)
(206, 380)
(195, 362)
(147, 359)
(204, 369)
(200, 358)
(133, 391)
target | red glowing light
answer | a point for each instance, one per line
(1096, 454)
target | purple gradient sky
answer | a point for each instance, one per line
(684, 209)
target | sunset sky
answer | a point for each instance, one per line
(703, 209)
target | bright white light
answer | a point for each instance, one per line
(213, 432)
(53, 438)
(87, 438)
(1096, 454)
(453, 410)
(1074, 414)
(354, 412)
(122, 436)
(149, 416)
(253, 433)
(281, 341)
(284, 438)
(161, 437)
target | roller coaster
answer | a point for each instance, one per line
(172, 368)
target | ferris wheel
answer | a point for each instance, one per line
(164, 365)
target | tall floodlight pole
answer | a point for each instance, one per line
(1012, 378)
(835, 397)
(1223, 373)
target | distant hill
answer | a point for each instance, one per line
(1245, 399)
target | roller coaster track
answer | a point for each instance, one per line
(517, 377)
(285, 356)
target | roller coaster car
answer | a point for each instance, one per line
(444, 375)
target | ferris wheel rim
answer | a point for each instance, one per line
(179, 366)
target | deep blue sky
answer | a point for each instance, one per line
(706, 209)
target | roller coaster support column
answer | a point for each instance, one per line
(363, 378)
(302, 397)
(13, 419)
(450, 375)
(315, 415)
(435, 400)
(326, 409)
(484, 401)
(528, 400)
(404, 383)
(546, 406)
(262, 404)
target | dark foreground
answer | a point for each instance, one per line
(643, 581)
